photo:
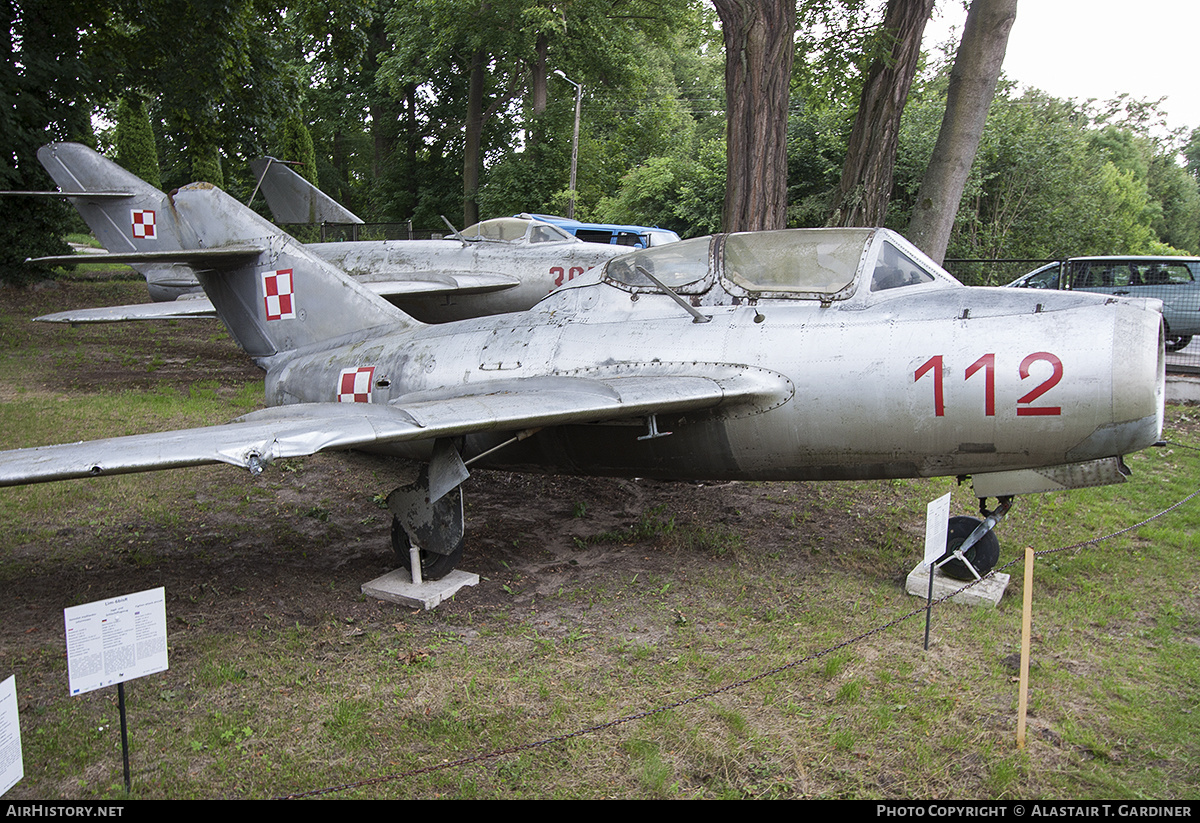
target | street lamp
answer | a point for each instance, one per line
(575, 140)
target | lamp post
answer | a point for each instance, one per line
(575, 140)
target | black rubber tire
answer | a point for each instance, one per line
(1176, 342)
(433, 566)
(983, 555)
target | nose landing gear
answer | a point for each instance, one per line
(972, 548)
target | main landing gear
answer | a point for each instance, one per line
(427, 516)
(428, 513)
(972, 548)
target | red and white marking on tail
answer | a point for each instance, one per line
(144, 227)
(279, 295)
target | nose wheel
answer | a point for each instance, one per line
(982, 555)
(982, 547)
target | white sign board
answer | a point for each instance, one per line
(111, 641)
(937, 516)
(12, 766)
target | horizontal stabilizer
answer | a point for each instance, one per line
(89, 195)
(199, 258)
(172, 310)
(304, 429)
(189, 306)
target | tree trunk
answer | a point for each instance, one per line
(866, 183)
(472, 154)
(758, 69)
(538, 72)
(972, 86)
(382, 107)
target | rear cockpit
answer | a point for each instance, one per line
(516, 230)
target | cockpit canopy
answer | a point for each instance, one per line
(516, 230)
(820, 264)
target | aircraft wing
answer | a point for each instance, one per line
(294, 431)
(427, 283)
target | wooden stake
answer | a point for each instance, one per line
(1026, 631)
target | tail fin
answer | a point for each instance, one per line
(295, 200)
(125, 213)
(281, 299)
(141, 221)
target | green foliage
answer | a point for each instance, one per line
(672, 192)
(1052, 180)
(1177, 222)
(206, 164)
(136, 151)
(816, 151)
(373, 97)
(216, 74)
(296, 145)
(45, 94)
(637, 72)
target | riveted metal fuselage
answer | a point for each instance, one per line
(945, 380)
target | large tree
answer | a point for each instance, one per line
(758, 70)
(972, 86)
(219, 92)
(46, 91)
(866, 182)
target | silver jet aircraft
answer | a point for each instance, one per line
(500, 265)
(813, 354)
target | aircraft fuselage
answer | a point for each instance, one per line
(914, 383)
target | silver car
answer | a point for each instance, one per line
(1173, 280)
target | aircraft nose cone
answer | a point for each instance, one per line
(1138, 376)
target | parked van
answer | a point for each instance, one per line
(1173, 280)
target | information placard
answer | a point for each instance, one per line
(937, 515)
(12, 767)
(111, 641)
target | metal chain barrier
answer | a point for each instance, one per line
(491, 755)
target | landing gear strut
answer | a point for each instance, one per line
(428, 514)
(972, 548)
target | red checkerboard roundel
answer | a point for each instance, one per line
(143, 224)
(279, 296)
(354, 385)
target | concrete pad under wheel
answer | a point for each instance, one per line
(985, 593)
(397, 587)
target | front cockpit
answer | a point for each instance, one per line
(826, 265)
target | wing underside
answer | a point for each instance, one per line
(305, 429)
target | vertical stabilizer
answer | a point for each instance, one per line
(280, 297)
(139, 222)
(142, 221)
(295, 200)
